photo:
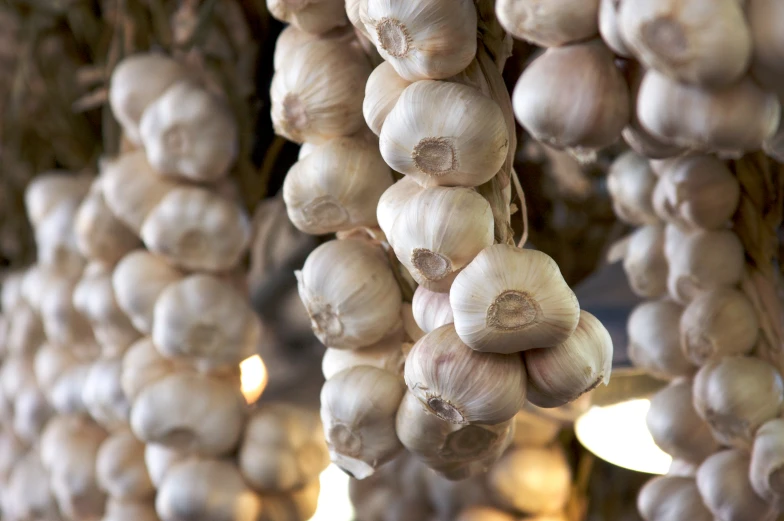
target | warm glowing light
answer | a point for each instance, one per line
(334, 503)
(253, 378)
(618, 434)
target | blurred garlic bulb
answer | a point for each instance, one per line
(16, 374)
(50, 363)
(631, 182)
(764, 18)
(669, 498)
(11, 290)
(697, 192)
(25, 332)
(431, 310)
(11, 451)
(55, 241)
(549, 24)
(49, 190)
(508, 300)
(189, 132)
(358, 408)
(544, 103)
(533, 430)
(609, 21)
(336, 187)
(203, 317)
(318, 95)
(99, 234)
(644, 263)
(350, 292)
(423, 40)
(675, 426)
(735, 395)
(139, 278)
(392, 201)
(191, 413)
(315, 17)
(446, 134)
(117, 510)
(206, 490)
(767, 461)
(706, 43)
(707, 120)
(385, 354)
(705, 261)
(484, 514)
(718, 323)
(439, 231)
(26, 493)
(723, 482)
(137, 81)
(131, 188)
(31, 412)
(159, 459)
(63, 325)
(561, 374)
(103, 396)
(383, 89)
(655, 342)
(461, 385)
(532, 480)
(196, 229)
(66, 391)
(121, 469)
(299, 504)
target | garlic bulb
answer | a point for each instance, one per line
(16, 373)
(56, 243)
(11, 290)
(143, 365)
(423, 40)
(158, 460)
(439, 231)
(534, 430)
(137, 280)
(764, 18)
(704, 261)
(358, 409)
(383, 89)
(287, 43)
(718, 323)
(25, 332)
(655, 342)
(385, 354)
(691, 117)
(645, 264)
(196, 229)
(103, 396)
(66, 392)
(549, 24)
(431, 310)
(723, 482)
(705, 42)
(462, 386)
(99, 234)
(26, 493)
(674, 235)
(318, 95)
(49, 364)
(669, 498)
(31, 412)
(189, 132)
(315, 17)
(767, 461)
(675, 426)
(508, 300)
(559, 375)
(137, 81)
(120, 468)
(446, 134)
(350, 292)
(456, 451)
(631, 182)
(609, 21)
(735, 395)
(336, 187)
(544, 101)
(48, 190)
(532, 480)
(391, 203)
(117, 510)
(698, 192)
(206, 490)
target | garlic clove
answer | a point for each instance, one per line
(423, 40)
(631, 182)
(103, 396)
(350, 292)
(358, 408)
(431, 310)
(391, 203)
(655, 342)
(551, 24)
(383, 89)
(508, 300)
(561, 374)
(336, 187)
(445, 134)
(534, 430)
(120, 467)
(609, 27)
(675, 426)
(461, 385)
(142, 365)
(645, 263)
(315, 17)
(670, 498)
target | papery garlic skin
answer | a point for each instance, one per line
(549, 24)
(631, 182)
(645, 263)
(314, 17)
(508, 300)
(392, 201)
(670, 498)
(445, 134)
(383, 89)
(767, 462)
(431, 310)
(655, 342)
(462, 386)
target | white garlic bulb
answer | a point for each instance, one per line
(31, 412)
(654, 339)
(120, 467)
(431, 310)
(439, 231)
(385, 354)
(66, 392)
(48, 190)
(671, 498)
(336, 187)
(561, 374)
(609, 21)
(735, 395)
(423, 40)
(767, 461)
(675, 426)
(508, 300)
(391, 203)
(318, 95)
(383, 89)
(718, 323)
(189, 132)
(631, 182)
(141, 366)
(50, 363)
(25, 332)
(287, 43)
(644, 263)
(358, 408)
(446, 134)
(461, 385)
(103, 396)
(544, 97)
(315, 16)
(350, 292)
(549, 24)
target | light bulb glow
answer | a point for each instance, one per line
(334, 503)
(253, 378)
